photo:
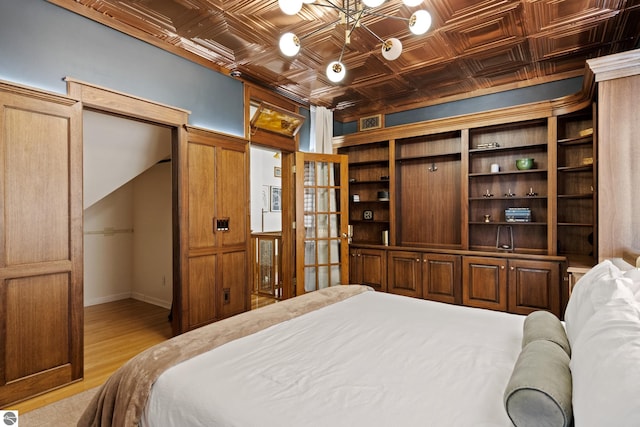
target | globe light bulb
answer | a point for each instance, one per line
(391, 49)
(411, 3)
(420, 22)
(289, 44)
(336, 71)
(290, 7)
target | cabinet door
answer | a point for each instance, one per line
(215, 282)
(374, 269)
(404, 273)
(534, 285)
(441, 278)
(484, 282)
(41, 306)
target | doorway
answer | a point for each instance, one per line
(127, 210)
(266, 225)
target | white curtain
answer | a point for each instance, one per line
(321, 142)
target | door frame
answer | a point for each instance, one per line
(110, 101)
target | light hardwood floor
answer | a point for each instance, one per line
(114, 333)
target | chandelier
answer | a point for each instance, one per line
(351, 14)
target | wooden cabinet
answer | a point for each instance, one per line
(455, 190)
(577, 195)
(441, 277)
(41, 304)
(217, 282)
(425, 275)
(405, 273)
(427, 190)
(369, 193)
(368, 267)
(484, 282)
(492, 192)
(513, 285)
(534, 285)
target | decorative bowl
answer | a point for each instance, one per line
(524, 164)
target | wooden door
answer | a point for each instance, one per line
(41, 299)
(441, 278)
(484, 282)
(405, 273)
(215, 266)
(534, 285)
(368, 267)
(322, 248)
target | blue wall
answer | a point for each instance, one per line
(40, 44)
(478, 104)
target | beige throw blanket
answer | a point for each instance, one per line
(121, 400)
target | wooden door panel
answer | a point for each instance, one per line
(355, 267)
(231, 186)
(202, 290)
(202, 192)
(41, 300)
(484, 283)
(442, 278)
(216, 281)
(36, 187)
(534, 285)
(373, 269)
(37, 324)
(404, 273)
(232, 291)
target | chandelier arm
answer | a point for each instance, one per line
(355, 22)
(382, 15)
(371, 31)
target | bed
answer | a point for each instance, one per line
(350, 356)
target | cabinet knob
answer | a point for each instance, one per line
(502, 267)
(512, 268)
(417, 260)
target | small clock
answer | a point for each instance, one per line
(367, 214)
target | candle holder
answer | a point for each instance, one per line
(487, 218)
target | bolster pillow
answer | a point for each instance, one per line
(539, 391)
(543, 325)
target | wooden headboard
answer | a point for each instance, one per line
(632, 256)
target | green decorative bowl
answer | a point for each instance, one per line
(524, 164)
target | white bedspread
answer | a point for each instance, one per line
(374, 359)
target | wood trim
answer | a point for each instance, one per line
(615, 66)
(632, 256)
(17, 89)
(113, 101)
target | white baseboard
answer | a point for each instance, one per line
(125, 295)
(151, 300)
(109, 298)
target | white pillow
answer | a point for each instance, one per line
(605, 367)
(597, 287)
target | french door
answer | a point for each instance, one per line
(322, 247)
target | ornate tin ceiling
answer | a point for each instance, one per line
(473, 47)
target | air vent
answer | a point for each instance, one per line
(370, 122)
